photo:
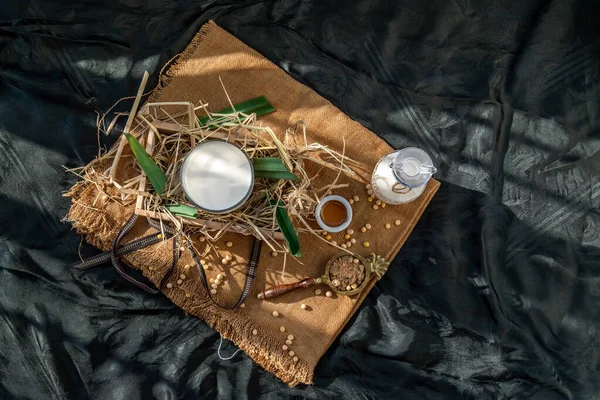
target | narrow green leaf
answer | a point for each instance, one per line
(183, 210)
(286, 175)
(258, 105)
(268, 164)
(272, 168)
(286, 227)
(155, 175)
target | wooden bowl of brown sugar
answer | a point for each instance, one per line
(347, 274)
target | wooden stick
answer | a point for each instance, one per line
(210, 225)
(170, 127)
(130, 119)
(192, 119)
(142, 188)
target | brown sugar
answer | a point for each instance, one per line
(344, 273)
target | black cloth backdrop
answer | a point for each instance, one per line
(495, 294)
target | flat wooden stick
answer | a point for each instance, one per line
(170, 127)
(144, 178)
(210, 225)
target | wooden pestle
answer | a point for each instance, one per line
(279, 290)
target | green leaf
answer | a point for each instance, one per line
(286, 175)
(272, 168)
(183, 210)
(269, 164)
(258, 105)
(153, 172)
(286, 227)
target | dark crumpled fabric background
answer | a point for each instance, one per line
(494, 296)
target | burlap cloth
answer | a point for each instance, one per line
(214, 53)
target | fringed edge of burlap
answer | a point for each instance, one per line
(100, 226)
(269, 354)
(177, 64)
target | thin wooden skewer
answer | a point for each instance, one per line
(130, 119)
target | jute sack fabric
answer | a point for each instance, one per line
(214, 53)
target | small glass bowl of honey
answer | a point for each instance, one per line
(333, 213)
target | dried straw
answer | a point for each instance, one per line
(176, 132)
